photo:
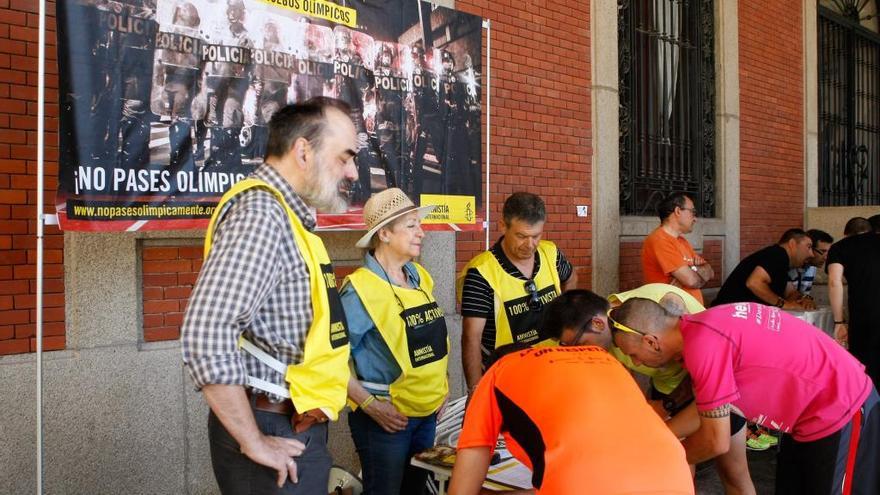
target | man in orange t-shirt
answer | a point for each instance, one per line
(667, 257)
(557, 408)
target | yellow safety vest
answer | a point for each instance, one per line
(667, 378)
(414, 328)
(321, 379)
(514, 321)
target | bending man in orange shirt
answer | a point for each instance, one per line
(555, 407)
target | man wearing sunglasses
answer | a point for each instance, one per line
(780, 372)
(502, 291)
(557, 408)
(801, 278)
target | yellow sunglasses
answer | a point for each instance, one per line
(616, 325)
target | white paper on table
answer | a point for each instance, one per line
(510, 473)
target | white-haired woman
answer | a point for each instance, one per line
(399, 347)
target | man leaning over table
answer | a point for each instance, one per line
(801, 278)
(571, 414)
(762, 277)
(857, 259)
(672, 388)
(780, 372)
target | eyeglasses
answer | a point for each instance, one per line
(820, 252)
(616, 325)
(692, 210)
(586, 327)
(577, 337)
(534, 299)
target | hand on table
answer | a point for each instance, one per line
(276, 453)
(796, 305)
(808, 303)
(388, 417)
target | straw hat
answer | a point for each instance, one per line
(383, 208)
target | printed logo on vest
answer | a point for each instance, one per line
(338, 324)
(425, 334)
(523, 321)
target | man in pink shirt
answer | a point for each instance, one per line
(777, 371)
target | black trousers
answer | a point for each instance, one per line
(818, 467)
(238, 475)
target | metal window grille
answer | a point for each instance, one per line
(849, 112)
(667, 103)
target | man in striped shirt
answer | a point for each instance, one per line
(502, 291)
(801, 278)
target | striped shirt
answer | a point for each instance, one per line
(254, 282)
(478, 297)
(802, 279)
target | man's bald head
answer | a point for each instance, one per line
(644, 315)
(652, 337)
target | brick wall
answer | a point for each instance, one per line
(169, 273)
(630, 270)
(540, 118)
(771, 129)
(18, 182)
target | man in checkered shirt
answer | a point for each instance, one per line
(255, 282)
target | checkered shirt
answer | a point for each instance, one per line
(254, 282)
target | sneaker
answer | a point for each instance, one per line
(754, 442)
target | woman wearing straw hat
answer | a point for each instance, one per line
(399, 347)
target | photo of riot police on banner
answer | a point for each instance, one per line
(428, 121)
(228, 78)
(351, 83)
(270, 86)
(389, 113)
(179, 61)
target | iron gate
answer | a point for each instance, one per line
(849, 112)
(667, 103)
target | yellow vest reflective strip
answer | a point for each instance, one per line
(320, 381)
(514, 321)
(382, 387)
(416, 336)
(265, 386)
(269, 361)
(261, 355)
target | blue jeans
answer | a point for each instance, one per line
(238, 475)
(385, 456)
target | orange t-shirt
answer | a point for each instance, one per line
(577, 419)
(662, 254)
